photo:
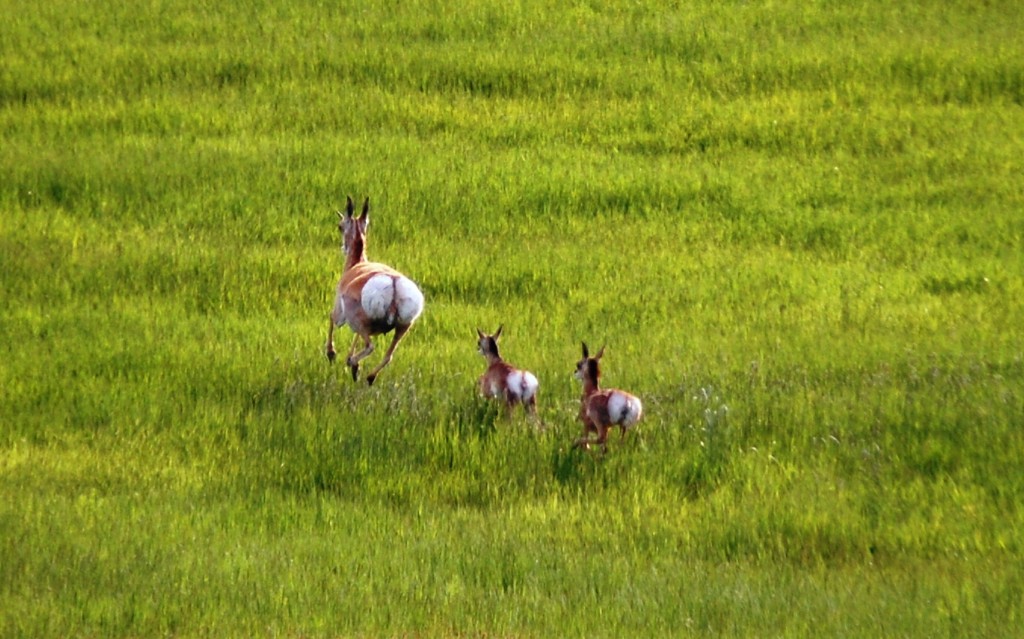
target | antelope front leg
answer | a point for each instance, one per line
(330, 341)
(336, 318)
(399, 334)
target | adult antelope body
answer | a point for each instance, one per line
(600, 409)
(502, 380)
(373, 299)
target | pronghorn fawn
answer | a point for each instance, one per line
(373, 299)
(502, 380)
(600, 409)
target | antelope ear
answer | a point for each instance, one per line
(498, 334)
(366, 210)
(349, 207)
(480, 334)
(600, 353)
(586, 353)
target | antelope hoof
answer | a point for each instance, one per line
(355, 371)
(370, 379)
(331, 356)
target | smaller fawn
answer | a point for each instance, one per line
(600, 409)
(504, 380)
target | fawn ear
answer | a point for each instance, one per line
(366, 211)
(600, 353)
(349, 207)
(586, 353)
(498, 334)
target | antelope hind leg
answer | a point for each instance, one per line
(400, 332)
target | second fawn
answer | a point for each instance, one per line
(600, 409)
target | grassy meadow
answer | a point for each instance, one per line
(797, 226)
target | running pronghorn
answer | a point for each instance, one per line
(600, 409)
(373, 299)
(502, 379)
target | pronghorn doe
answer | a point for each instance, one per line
(373, 299)
(503, 380)
(600, 409)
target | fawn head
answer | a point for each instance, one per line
(487, 345)
(588, 369)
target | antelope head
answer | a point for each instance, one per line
(353, 229)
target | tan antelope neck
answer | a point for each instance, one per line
(353, 231)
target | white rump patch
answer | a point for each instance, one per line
(409, 300)
(522, 384)
(394, 299)
(624, 409)
(377, 295)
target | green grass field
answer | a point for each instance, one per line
(797, 226)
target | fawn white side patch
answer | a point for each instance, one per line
(493, 389)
